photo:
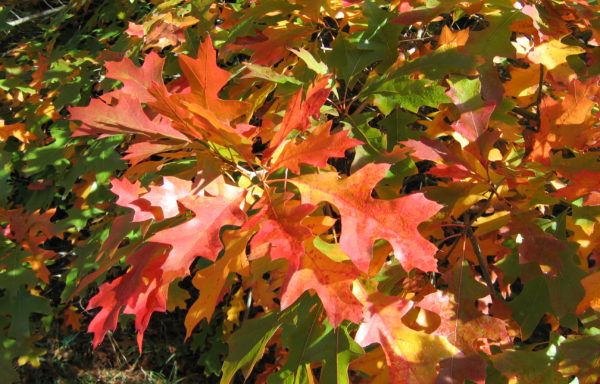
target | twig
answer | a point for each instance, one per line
(538, 100)
(117, 350)
(482, 262)
(25, 19)
(525, 113)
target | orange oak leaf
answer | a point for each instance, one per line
(30, 231)
(298, 112)
(332, 281)
(138, 152)
(125, 117)
(196, 109)
(136, 80)
(412, 356)
(206, 79)
(580, 100)
(582, 183)
(373, 364)
(315, 150)
(540, 144)
(591, 284)
(365, 219)
(17, 130)
(271, 45)
(212, 280)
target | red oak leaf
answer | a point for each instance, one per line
(412, 356)
(141, 291)
(280, 233)
(460, 368)
(537, 245)
(165, 196)
(200, 235)
(332, 281)
(125, 117)
(365, 219)
(134, 29)
(315, 150)
(144, 288)
(128, 195)
(136, 80)
(454, 171)
(464, 334)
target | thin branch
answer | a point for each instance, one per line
(538, 100)
(25, 19)
(525, 113)
(485, 272)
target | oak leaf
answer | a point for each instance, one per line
(136, 80)
(299, 111)
(365, 219)
(281, 232)
(553, 53)
(206, 79)
(212, 280)
(200, 235)
(128, 195)
(412, 356)
(332, 281)
(125, 117)
(141, 291)
(316, 150)
(165, 196)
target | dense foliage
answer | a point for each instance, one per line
(328, 191)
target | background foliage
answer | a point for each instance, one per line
(290, 191)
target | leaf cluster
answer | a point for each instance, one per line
(358, 191)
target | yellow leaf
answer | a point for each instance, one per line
(236, 306)
(491, 223)
(211, 281)
(553, 53)
(373, 364)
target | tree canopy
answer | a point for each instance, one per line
(327, 191)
